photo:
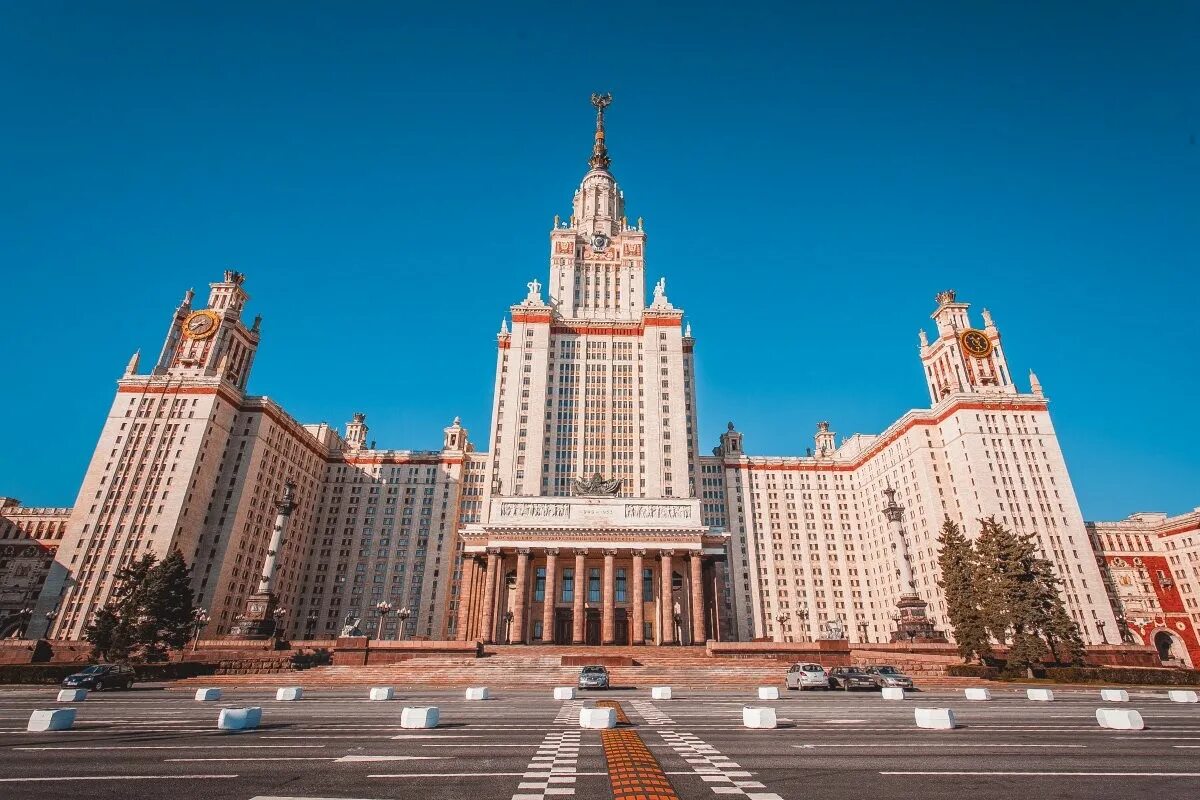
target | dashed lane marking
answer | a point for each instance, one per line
(1069, 774)
(111, 778)
(568, 713)
(722, 775)
(551, 771)
(654, 716)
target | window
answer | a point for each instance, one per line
(621, 586)
(539, 584)
(537, 630)
(647, 584)
(568, 585)
(594, 585)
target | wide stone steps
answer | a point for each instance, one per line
(525, 667)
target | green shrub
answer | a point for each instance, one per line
(1142, 675)
(973, 671)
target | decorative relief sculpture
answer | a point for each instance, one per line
(535, 510)
(634, 511)
(597, 486)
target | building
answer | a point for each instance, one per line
(1151, 566)
(592, 515)
(29, 538)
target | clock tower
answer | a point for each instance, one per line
(212, 341)
(963, 358)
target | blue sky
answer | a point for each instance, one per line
(386, 175)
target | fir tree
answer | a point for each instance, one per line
(1059, 630)
(149, 613)
(1012, 599)
(957, 563)
(166, 614)
(112, 632)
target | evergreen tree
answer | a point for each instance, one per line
(149, 613)
(1012, 599)
(1059, 630)
(957, 562)
(112, 632)
(165, 621)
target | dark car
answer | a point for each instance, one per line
(593, 677)
(848, 678)
(99, 677)
(888, 676)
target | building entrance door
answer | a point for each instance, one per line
(620, 626)
(563, 625)
(591, 631)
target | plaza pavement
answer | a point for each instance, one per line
(158, 743)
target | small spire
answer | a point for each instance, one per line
(1035, 385)
(600, 159)
(132, 367)
(504, 326)
(687, 330)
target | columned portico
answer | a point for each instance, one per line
(640, 579)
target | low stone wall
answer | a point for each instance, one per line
(827, 652)
(604, 661)
(359, 651)
(44, 651)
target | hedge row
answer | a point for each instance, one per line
(1144, 675)
(1119, 675)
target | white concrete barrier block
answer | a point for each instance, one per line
(1044, 695)
(72, 695)
(1119, 719)
(892, 693)
(940, 719)
(564, 692)
(289, 693)
(207, 695)
(239, 719)
(976, 693)
(478, 693)
(597, 718)
(757, 717)
(1114, 695)
(58, 719)
(1183, 696)
(768, 693)
(660, 693)
(420, 717)
(382, 693)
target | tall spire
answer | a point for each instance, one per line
(600, 159)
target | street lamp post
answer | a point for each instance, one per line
(782, 617)
(862, 631)
(24, 615)
(199, 620)
(1100, 627)
(384, 608)
(278, 615)
(403, 614)
(508, 618)
(802, 616)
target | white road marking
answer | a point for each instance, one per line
(907, 745)
(260, 758)
(181, 747)
(462, 775)
(349, 759)
(1069, 774)
(110, 778)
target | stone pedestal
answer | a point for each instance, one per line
(258, 620)
(913, 623)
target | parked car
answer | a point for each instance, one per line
(99, 677)
(889, 676)
(806, 675)
(848, 678)
(593, 677)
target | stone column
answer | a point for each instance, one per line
(639, 600)
(608, 628)
(488, 621)
(517, 635)
(580, 590)
(551, 596)
(667, 605)
(697, 587)
(465, 587)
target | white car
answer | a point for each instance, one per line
(806, 675)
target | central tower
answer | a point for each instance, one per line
(591, 532)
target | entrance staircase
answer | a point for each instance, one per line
(531, 667)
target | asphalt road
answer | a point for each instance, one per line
(157, 743)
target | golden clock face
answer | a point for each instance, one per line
(200, 325)
(975, 343)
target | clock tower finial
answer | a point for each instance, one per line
(600, 159)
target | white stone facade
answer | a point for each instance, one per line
(592, 377)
